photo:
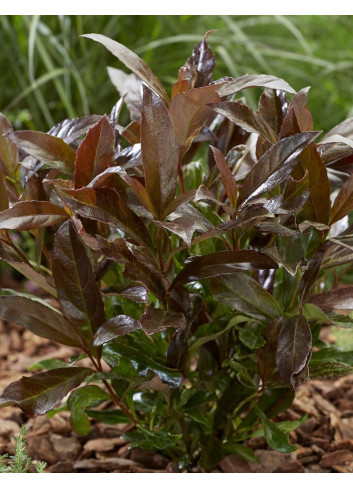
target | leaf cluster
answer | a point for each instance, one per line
(191, 256)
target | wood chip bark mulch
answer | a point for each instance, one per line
(325, 440)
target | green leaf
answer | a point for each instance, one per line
(222, 263)
(77, 403)
(78, 292)
(313, 312)
(47, 364)
(42, 392)
(228, 180)
(293, 349)
(285, 426)
(230, 448)
(246, 118)
(274, 166)
(251, 338)
(330, 369)
(31, 214)
(41, 320)
(149, 440)
(108, 416)
(275, 437)
(115, 327)
(95, 153)
(160, 152)
(242, 293)
(133, 62)
(156, 320)
(168, 375)
(52, 151)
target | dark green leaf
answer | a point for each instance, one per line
(108, 416)
(41, 320)
(160, 152)
(251, 338)
(168, 375)
(78, 292)
(274, 166)
(275, 437)
(42, 392)
(31, 214)
(149, 440)
(114, 327)
(48, 364)
(95, 154)
(223, 263)
(242, 293)
(156, 320)
(133, 62)
(246, 118)
(329, 369)
(293, 349)
(51, 150)
(78, 401)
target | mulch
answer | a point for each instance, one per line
(324, 440)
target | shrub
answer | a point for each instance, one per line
(192, 256)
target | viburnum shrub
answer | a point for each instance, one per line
(192, 256)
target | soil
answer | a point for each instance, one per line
(325, 440)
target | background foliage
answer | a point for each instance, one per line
(49, 73)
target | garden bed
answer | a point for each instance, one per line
(325, 440)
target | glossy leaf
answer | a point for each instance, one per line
(70, 130)
(149, 440)
(156, 320)
(160, 152)
(223, 263)
(42, 392)
(199, 67)
(8, 150)
(31, 214)
(293, 349)
(299, 104)
(341, 298)
(275, 437)
(136, 293)
(105, 205)
(136, 267)
(267, 81)
(242, 293)
(170, 376)
(77, 403)
(189, 111)
(78, 292)
(129, 88)
(343, 203)
(274, 166)
(41, 320)
(51, 150)
(181, 226)
(317, 207)
(131, 61)
(95, 153)
(115, 327)
(227, 176)
(246, 118)
(344, 129)
(4, 198)
(266, 356)
(273, 107)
